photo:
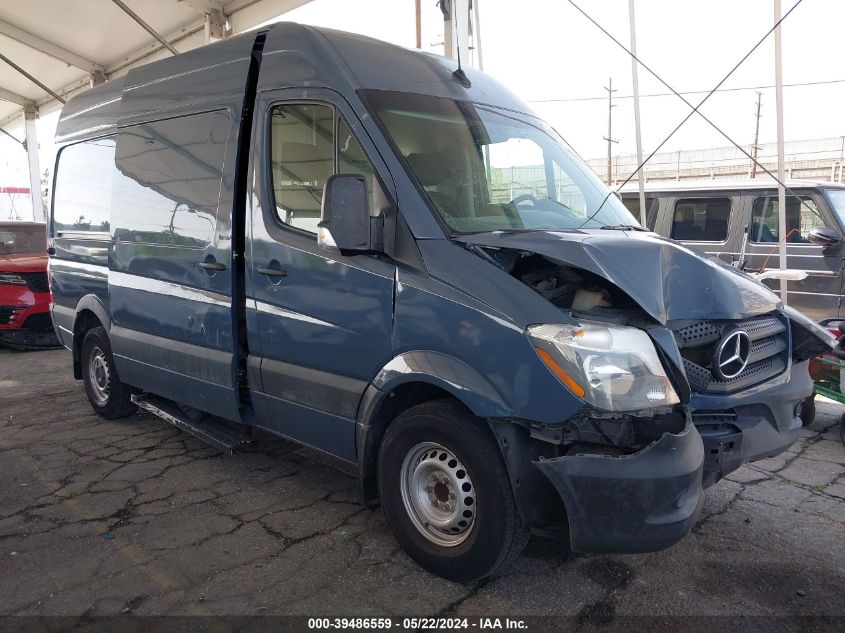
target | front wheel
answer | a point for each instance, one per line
(446, 492)
(109, 397)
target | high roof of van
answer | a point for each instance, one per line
(763, 182)
(296, 56)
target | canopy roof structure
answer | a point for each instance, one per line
(51, 50)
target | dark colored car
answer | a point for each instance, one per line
(24, 290)
(317, 234)
(712, 216)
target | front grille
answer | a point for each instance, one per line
(768, 355)
(40, 321)
(37, 282)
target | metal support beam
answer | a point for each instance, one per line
(456, 30)
(97, 78)
(31, 78)
(48, 48)
(215, 26)
(781, 176)
(30, 114)
(145, 26)
(14, 97)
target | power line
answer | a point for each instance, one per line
(801, 84)
(694, 109)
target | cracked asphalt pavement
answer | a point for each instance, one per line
(134, 516)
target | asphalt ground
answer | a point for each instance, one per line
(134, 516)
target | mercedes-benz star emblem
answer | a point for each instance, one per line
(731, 355)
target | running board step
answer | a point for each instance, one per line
(206, 429)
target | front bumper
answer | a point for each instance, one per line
(25, 318)
(751, 425)
(631, 503)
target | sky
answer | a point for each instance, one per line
(552, 57)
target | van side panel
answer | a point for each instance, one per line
(172, 319)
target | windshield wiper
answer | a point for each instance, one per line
(622, 227)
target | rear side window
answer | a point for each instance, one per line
(83, 190)
(168, 186)
(701, 219)
(651, 206)
(802, 216)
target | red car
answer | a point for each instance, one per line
(24, 290)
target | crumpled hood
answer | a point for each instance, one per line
(669, 281)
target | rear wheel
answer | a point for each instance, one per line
(446, 492)
(109, 397)
(842, 429)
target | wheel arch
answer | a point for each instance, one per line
(90, 313)
(407, 380)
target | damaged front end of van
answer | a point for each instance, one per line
(686, 367)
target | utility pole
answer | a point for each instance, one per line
(635, 80)
(609, 138)
(756, 145)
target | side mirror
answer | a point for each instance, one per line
(346, 225)
(823, 236)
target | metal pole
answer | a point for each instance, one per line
(418, 7)
(841, 156)
(636, 81)
(781, 178)
(756, 136)
(30, 114)
(477, 32)
(609, 138)
(55, 95)
(145, 26)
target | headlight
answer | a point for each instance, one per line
(12, 279)
(612, 367)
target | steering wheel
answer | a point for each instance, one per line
(525, 197)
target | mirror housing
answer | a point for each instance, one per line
(346, 225)
(823, 236)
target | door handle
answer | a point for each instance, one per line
(272, 272)
(212, 265)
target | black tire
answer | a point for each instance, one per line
(108, 396)
(496, 534)
(842, 429)
(808, 411)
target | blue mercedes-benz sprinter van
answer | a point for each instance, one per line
(319, 235)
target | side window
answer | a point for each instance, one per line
(302, 159)
(651, 206)
(82, 198)
(168, 183)
(701, 219)
(309, 143)
(802, 216)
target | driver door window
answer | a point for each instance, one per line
(802, 216)
(309, 143)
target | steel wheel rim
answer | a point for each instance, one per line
(99, 376)
(438, 494)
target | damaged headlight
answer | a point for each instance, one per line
(611, 367)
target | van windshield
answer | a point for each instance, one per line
(483, 169)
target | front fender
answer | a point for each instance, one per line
(428, 367)
(448, 373)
